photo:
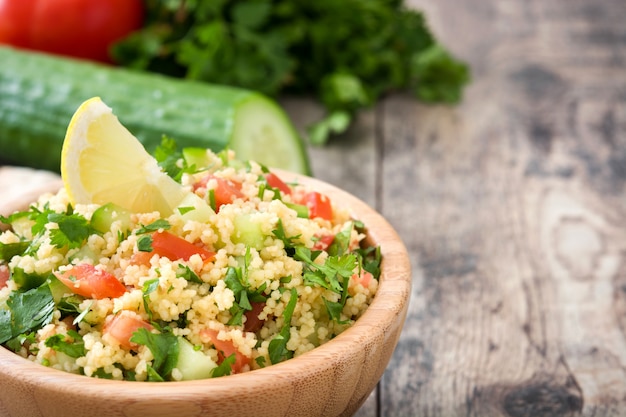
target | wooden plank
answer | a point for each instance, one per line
(512, 206)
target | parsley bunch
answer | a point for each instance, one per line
(347, 53)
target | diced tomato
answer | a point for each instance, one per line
(364, 278)
(225, 349)
(253, 322)
(275, 182)
(141, 258)
(174, 248)
(122, 326)
(225, 192)
(323, 242)
(91, 282)
(5, 274)
(319, 205)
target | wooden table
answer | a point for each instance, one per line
(513, 208)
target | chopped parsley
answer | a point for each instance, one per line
(27, 311)
(164, 348)
(71, 344)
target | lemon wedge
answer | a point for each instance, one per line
(102, 162)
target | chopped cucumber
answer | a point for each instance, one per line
(84, 252)
(192, 207)
(196, 157)
(57, 288)
(104, 216)
(193, 364)
(248, 232)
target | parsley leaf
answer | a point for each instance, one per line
(277, 348)
(144, 243)
(224, 368)
(27, 311)
(71, 344)
(154, 226)
(164, 348)
(149, 287)
(347, 53)
(73, 230)
(9, 250)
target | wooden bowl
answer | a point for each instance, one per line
(331, 380)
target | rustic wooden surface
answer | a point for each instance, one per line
(513, 207)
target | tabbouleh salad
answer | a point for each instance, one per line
(265, 272)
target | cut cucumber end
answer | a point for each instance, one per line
(263, 132)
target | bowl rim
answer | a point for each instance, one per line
(388, 309)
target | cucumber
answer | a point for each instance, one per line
(193, 364)
(102, 219)
(248, 232)
(39, 93)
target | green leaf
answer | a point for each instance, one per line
(437, 76)
(160, 224)
(184, 271)
(277, 348)
(71, 344)
(28, 311)
(224, 368)
(9, 250)
(144, 243)
(164, 348)
(149, 286)
(73, 230)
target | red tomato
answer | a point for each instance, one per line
(275, 182)
(319, 205)
(225, 348)
(364, 278)
(323, 242)
(225, 192)
(175, 248)
(253, 322)
(141, 258)
(78, 28)
(122, 326)
(91, 282)
(5, 274)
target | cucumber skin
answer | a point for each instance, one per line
(39, 93)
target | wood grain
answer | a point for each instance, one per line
(515, 216)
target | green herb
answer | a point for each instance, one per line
(156, 225)
(277, 348)
(224, 368)
(168, 157)
(9, 250)
(330, 274)
(73, 230)
(289, 242)
(82, 314)
(211, 199)
(237, 281)
(144, 243)
(188, 274)
(149, 287)
(71, 344)
(183, 210)
(347, 53)
(27, 311)
(164, 348)
(70, 305)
